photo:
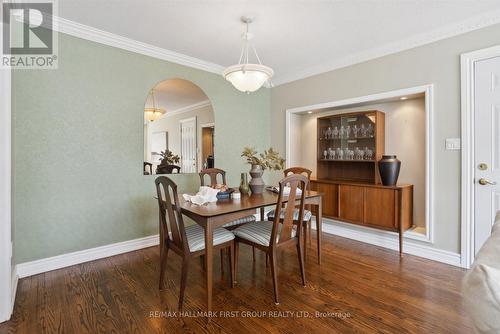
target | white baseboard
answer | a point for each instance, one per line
(372, 236)
(389, 240)
(13, 282)
(65, 260)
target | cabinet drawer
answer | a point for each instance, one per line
(380, 207)
(351, 199)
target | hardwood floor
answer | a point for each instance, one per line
(358, 289)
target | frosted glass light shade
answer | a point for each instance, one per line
(152, 114)
(248, 77)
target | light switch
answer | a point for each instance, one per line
(452, 143)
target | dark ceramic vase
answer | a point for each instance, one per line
(389, 167)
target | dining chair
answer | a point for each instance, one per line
(307, 212)
(214, 174)
(146, 166)
(269, 236)
(188, 242)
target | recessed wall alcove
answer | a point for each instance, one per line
(408, 133)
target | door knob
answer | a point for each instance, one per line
(484, 182)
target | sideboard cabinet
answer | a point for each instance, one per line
(348, 149)
(372, 205)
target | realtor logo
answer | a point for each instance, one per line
(28, 37)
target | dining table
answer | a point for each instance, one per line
(216, 214)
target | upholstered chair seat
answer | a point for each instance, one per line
(196, 237)
(244, 220)
(259, 232)
(307, 215)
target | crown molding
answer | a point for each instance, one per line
(103, 37)
(191, 107)
(474, 23)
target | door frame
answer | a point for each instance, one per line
(467, 66)
(194, 118)
(6, 288)
(200, 144)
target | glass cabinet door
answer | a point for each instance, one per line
(349, 138)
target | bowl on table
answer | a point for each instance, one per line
(225, 194)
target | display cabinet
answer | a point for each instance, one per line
(349, 147)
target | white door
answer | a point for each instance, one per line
(188, 145)
(159, 143)
(486, 147)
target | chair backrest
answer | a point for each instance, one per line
(168, 204)
(148, 165)
(299, 170)
(295, 182)
(213, 173)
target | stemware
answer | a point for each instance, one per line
(340, 154)
(363, 130)
(342, 132)
(347, 154)
(331, 153)
(368, 154)
(335, 132)
(369, 130)
(355, 131)
(359, 153)
(328, 133)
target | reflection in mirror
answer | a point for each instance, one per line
(179, 129)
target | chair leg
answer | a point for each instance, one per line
(305, 239)
(272, 255)
(222, 262)
(267, 260)
(202, 262)
(231, 263)
(163, 264)
(236, 251)
(309, 223)
(301, 262)
(253, 253)
(185, 266)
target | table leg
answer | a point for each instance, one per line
(209, 245)
(401, 227)
(401, 241)
(262, 214)
(319, 233)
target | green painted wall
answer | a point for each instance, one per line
(78, 146)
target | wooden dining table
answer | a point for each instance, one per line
(218, 213)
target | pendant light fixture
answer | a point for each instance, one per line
(245, 76)
(151, 114)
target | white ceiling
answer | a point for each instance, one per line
(294, 37)
(176, 94)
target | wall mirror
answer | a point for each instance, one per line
(179, 129)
